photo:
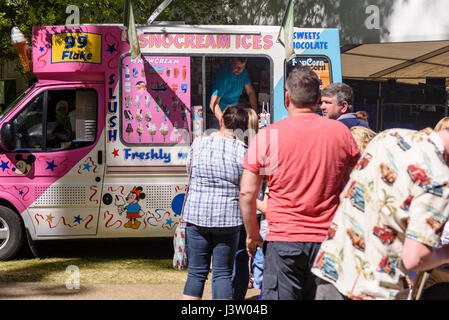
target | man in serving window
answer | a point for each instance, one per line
(226, 87)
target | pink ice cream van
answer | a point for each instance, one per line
(97, 147)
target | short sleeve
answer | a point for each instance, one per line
(353, 151)
(241, 153)
(428, 214)
(218, 84)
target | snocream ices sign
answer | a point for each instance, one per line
(206, 41)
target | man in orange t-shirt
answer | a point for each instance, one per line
(306, 158)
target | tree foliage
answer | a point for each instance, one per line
(346, 15)
(25, 14)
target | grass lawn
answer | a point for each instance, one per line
(92, 271)
(115, 261)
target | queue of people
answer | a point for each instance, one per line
(346, 212)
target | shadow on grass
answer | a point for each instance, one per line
(147, 248)
(35, 271)
(23, 291)
(94, 257)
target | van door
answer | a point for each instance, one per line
(58, 168)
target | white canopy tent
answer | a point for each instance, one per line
(410, 62)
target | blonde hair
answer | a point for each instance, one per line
(362, 136)
(442, 124)
(253, 124)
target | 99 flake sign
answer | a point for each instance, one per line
(78, 47)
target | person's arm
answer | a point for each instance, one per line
(249, 187)
(420, 257)
(251, 95)
(354, 157)
(214, 101)
(426, 211)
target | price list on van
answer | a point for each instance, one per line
(156, 100)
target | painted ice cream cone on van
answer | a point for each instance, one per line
(148, 116)
(147, 101)
(164, 130)
(140, 131)
(137, 101)
(151, 130)
(139, 116)
(129, 130)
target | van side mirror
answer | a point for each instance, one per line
(8, 137)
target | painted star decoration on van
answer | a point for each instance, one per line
(111, 48)
(115, 153)
(169, 222)
(4, 165)
(51, 165)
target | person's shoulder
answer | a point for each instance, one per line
(234, 145)
(245, 74)
(360, 122)
(202, 141)
(340, 124)
(352, 122)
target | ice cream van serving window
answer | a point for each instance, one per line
(57, 120)
(164, 99)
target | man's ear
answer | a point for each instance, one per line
(286, 99)
(344, 107)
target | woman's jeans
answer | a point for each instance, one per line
(202, 243)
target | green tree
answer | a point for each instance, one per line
(25, 14)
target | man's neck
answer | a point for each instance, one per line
(300, 111)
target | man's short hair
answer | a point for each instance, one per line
(303, 86)
(340, 92)
(240, 59)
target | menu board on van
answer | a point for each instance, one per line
(156, 100)
(320, 64)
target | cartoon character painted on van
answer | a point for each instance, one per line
(133, 208)
(131, 124)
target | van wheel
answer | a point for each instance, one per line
(11, 233)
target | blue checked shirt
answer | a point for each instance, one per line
(213, 197)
